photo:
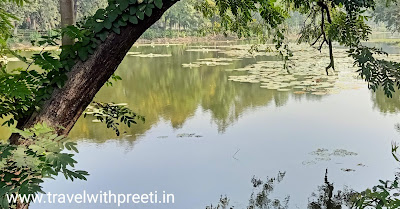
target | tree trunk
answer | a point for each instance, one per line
(85, 79)
(21, 205)
(67, 10)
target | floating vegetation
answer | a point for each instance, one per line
(248, 51)
(322, 154)
(220, 59)
(311, 162)
(204, 50)
(343, 153)
(348, 170)
(188, 135)
(190, 65)
(210, 62)
(133, 53)
(151, 55)
(337, 152)
(306, 74)
(167, 44)
(299, 92)
(319, 93)
(162, 137)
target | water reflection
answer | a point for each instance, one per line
(328, 198)
(161, 89)
(384, 104)
(260, 198)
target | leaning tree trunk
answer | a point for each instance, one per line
(21, 205)
(85, 79)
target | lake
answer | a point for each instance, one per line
(216, 117)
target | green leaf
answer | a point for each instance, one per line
(100, 14)
(122, 23)
(132, 10)
(125, 17)
(142, 7)
(123, 4)
(133, 20)
(103, 35)
(117, 30)
(112, 16)
(140, 15)
(98, 27)
(83, 53)
(107, 24)
(148, 11)
(158, 3)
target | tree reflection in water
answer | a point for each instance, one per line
(260, 198)
(325, 198)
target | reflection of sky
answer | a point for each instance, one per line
(270, 139)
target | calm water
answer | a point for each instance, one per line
(242, 131)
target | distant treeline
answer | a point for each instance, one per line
(41, 16)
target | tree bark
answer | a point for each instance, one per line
(67, 10)
(21, 205)
(85, 79)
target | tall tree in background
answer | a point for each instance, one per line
(67, 11)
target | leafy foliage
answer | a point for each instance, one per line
(24, 91)
(384, 195)
(24, 167)
(376, 71)
(112, 114)
(388, 11)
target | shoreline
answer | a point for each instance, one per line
(183, 40)
(177, 40)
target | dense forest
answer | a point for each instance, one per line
(43, 16)
(184, 19)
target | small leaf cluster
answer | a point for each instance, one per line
(244, 17)
(112, 115)
(348, 30)
(18, 91)
(115, 78)
(387, 11)
(384, 195)
(377, 72)
(23, 167)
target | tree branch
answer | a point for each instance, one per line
(85, 79)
